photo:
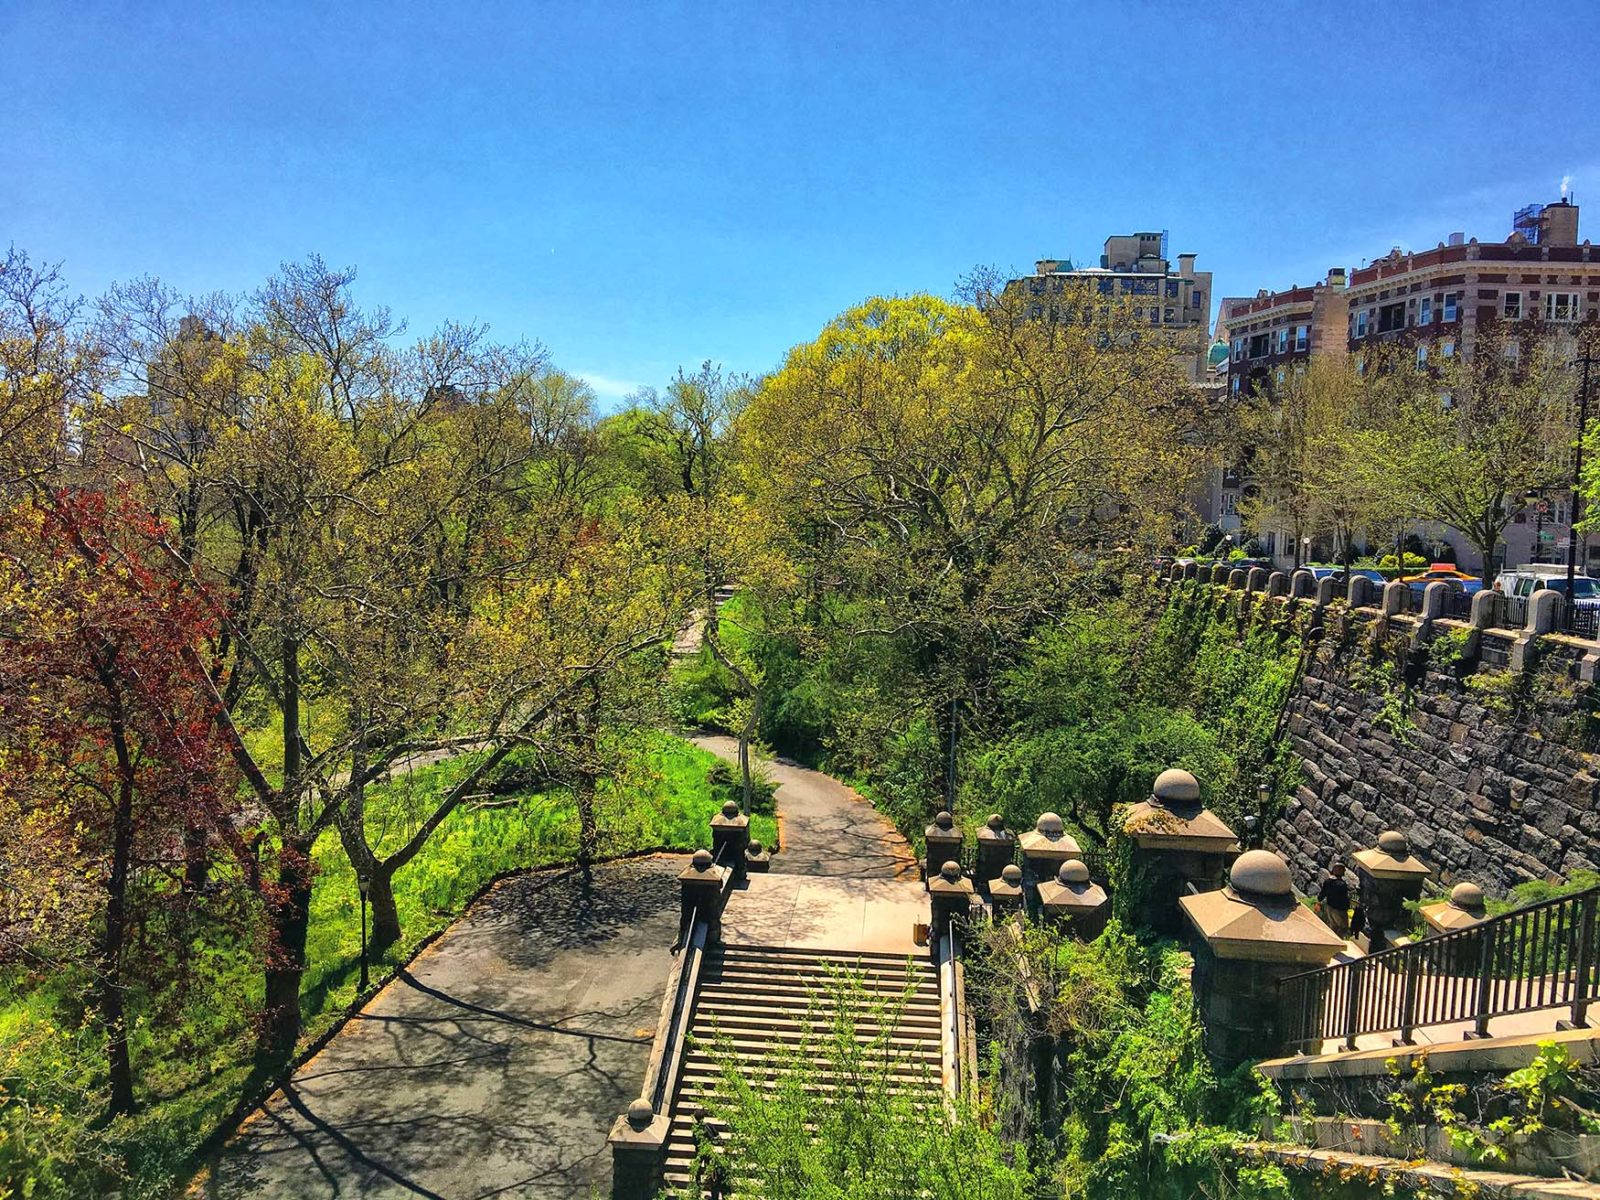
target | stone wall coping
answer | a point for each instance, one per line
(1485, 1054)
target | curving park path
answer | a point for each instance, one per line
(824, 827)
(492, 1066)
(495, 1064)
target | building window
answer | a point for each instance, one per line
(1172, 288)
(1448, 349)
(1561, 306)
(1361, 364)
(1196, 298)
(1422, 356)
(1512, 309)
(1035, 312)
(1238, 349)
(1450, 302)
(1392, 317)
(1425, 311)
(1155, 316)
(1361, 323)
(1302, 336)
(1230, 503)
(1511, 352)
(1233, 385)
(1283, 340)
(1166, 314)
(1260, 346)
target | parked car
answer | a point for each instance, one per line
(1443, 573)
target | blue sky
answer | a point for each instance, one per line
(639, 186)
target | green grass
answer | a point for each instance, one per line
(193, 1051)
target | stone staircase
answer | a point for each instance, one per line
(758, 999)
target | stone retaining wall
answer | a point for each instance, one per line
(1491, 783)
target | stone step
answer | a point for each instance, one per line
(757, 1041)
(765, 998)
(868, 961)
(891, 981)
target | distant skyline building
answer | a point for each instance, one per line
(1134, 267)
(1434, 302)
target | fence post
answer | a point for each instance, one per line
(1480, 1025)
(1352, 1003)
(1408, 998)
(1580, 986)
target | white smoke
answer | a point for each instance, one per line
(1566, 185)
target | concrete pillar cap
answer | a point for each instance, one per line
(730, 808)
(640, 1113)
(702, 860)
(996, 822)
(944, 820)
(1394, 843)
(1049, 824)
(1073, 871)
(1467, 896)
(1176, 786)
(754, 846)
(1011, 873)
(951, 870)
(1261, 873)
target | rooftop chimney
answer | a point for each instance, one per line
(1458, 239)
(1186, 266)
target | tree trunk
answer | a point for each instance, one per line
(385, 915)
(113, 1012)
(196, 859)
(588, 827)
(291, 918)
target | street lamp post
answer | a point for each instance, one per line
(1540, 507)
(364, 882)
(1305, 552)
(1569, 609)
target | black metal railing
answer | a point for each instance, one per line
(1539, 957)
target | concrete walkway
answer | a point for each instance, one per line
(493, 1066)
(824, 827)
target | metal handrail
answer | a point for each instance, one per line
(1543, 956)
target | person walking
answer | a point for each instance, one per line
(1333, 900)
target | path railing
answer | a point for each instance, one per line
(958, 1040)
(1543, 956)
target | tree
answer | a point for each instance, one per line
(108, 752)
(1480, 431)
(943, 470)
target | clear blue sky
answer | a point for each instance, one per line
(639, 186)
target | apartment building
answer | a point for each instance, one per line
(1135, 268)
(1432, 302)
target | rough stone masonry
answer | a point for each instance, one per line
(1490, 785)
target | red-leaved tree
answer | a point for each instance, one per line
(112, 772)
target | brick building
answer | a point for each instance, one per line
(1435, 302)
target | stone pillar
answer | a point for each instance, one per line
(730, 835)
(1070, 899)
(1359, 592)
(1255, 579)
(1396, 598)
(1175, 573)
(943, 840)
(1464, 909)
(1303, 584)
(1191, 569)
(1220, 572)
(997, 846)
(1005, 893)
(1237, 578)
(1544, 616)
(1246, 938)
(949, 894)
(1327, 591)
(638, 1150)
(1387, 875)
(1435, 603)
(700, 887)
(1177, 842)
(1488, 611)
(756, 858)
(1278, 584)
(1045, 847)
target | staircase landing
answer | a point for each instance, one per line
(825, 913)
